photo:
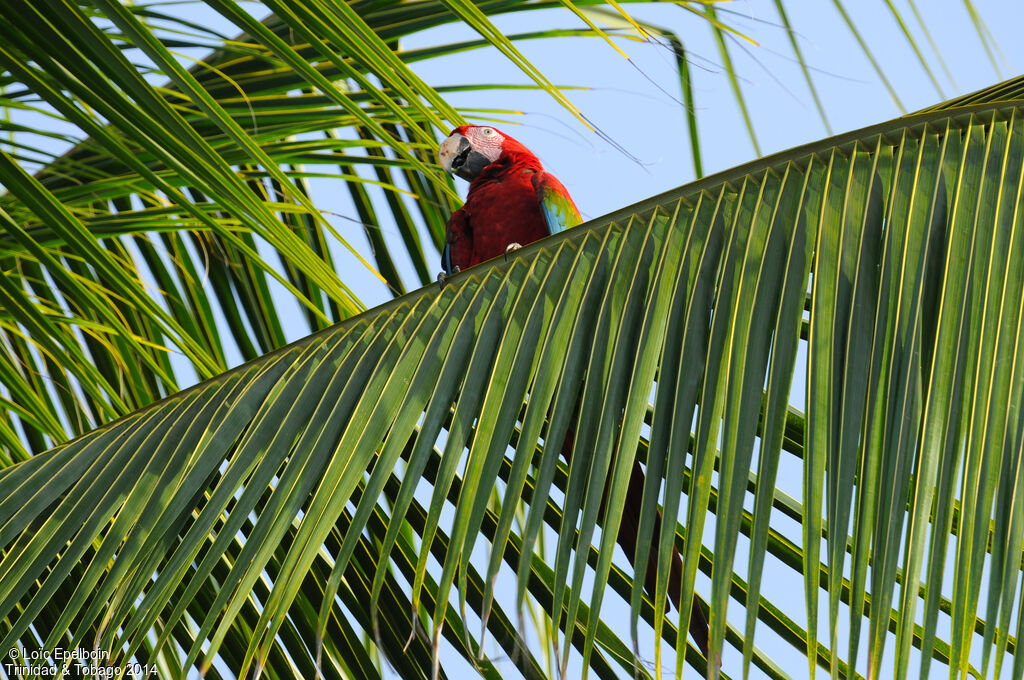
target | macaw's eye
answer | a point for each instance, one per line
(487, 131)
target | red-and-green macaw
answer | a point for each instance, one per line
(512, 201)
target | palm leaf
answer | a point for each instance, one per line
(185, 218)
(224, 155)
(263, 518)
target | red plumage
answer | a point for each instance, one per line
(504, 206)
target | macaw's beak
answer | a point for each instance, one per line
(458, 157)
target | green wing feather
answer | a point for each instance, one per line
(559, 210)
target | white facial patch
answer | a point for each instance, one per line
(486, 141)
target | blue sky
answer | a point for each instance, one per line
(637, 103)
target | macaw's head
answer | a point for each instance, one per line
(471, 148)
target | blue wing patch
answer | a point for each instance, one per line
(560, 212)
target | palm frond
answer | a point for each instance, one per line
(291, 499)
(163, 177)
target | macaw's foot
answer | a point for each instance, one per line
(442, 277)
(511, 248)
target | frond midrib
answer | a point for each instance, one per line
(800, 156)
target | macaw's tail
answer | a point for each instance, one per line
(629, 531)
